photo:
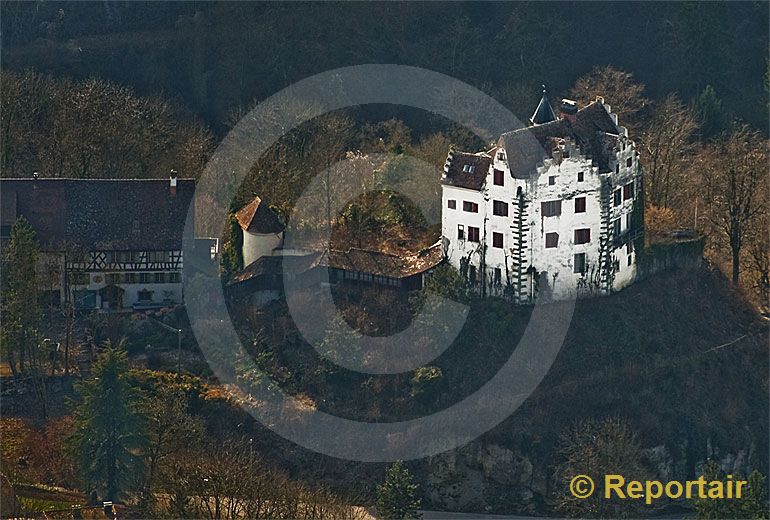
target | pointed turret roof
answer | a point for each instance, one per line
(544, 112)
(257, 217)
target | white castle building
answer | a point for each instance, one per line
(550, 212)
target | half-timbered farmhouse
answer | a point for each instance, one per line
(106, 244)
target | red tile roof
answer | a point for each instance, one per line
(456, 173)
(257, 217)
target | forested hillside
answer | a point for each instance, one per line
(217, 57)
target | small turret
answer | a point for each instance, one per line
(544, 112)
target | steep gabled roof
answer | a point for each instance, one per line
(101, 214)
(257, 217)
(525, 148)
(466, 170)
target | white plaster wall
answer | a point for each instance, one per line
(621, 175)
(556, 265)
(559, 282)
(451, 218)
(257, 245)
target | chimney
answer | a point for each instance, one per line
(568, 110)
(172, 183)
(35, 175)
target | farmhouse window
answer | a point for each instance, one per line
(470, 207)
(451, 204)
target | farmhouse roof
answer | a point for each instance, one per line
(101, 214)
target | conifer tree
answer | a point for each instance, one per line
(109, 431)
(397, 496)
(20, 297)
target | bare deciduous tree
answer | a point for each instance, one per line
(666, 145)
(734, 172)
(618, 89)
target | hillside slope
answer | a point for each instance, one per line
(680, 357)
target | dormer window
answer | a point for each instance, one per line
(501, 156)
(468, 168)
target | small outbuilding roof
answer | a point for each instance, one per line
(257, 217)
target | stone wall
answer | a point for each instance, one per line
(683, 253)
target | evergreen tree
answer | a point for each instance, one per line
(754, 504)
(713, 118)
(397, 496)
(20, 307)
(109, 431)
(232, 254)
(707, 508)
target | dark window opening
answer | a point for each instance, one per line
(498, 177)
(497, 240)
(552, 208)
(628, 191)
(460, 232)
(473, 234)
(580, 177)
(579, 263)
(451, 204)
(470, 207)
(582, 236)
(500, 208)
(617, 197)
(552, 180)
(551, 240)
(580, 205)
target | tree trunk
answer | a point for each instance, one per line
(736, 264)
